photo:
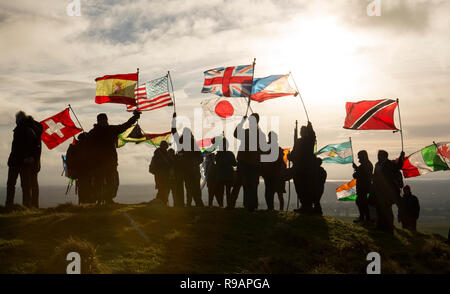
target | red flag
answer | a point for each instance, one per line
(370, 115)
(58, 129)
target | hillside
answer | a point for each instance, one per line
(149, 238)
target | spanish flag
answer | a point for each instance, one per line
(116, 89)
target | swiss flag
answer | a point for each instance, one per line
(58, 129)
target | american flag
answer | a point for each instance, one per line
(233, 81)
(152, 95)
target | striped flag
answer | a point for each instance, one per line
(432, 158)
(336, 153)
(370, 115)
(152, 95)
(347, 191)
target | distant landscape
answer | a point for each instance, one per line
(434, 197)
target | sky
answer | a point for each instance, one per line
(335, 51)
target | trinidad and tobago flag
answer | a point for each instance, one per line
(233, 81)
(370, 115)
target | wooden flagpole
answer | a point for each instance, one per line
(251, 88)
(300, 95)
(351, 147)
(173, 93)
(400, 120)
(70, 107)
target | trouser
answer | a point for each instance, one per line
(193, 190)
(303, 186)
(362, 202)
(271, 187)
(176, 186)
(237, 184)
(163, 193)
(250, 181)
(28, 182)
(107, 184)
(222, 187)
(385, 216)
(213, 192)
(85, 191)
(409, 223)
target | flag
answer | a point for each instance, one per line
(233, 81)
(225, 108)
(152, 95)
(58, 128)
(285, 155)
(432, 158)
(116, 89)
(347, 191)
(336, 153)
(135, 134)
(156, 139)
(271, 87)
(370, 115)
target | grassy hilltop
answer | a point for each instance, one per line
(148, 238)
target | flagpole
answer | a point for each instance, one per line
(251, 88)
(70, 107)
(400, 120)
(173, 93)
(351, 147)
(300, 95)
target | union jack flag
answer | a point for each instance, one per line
(152, 95)
(233, 81)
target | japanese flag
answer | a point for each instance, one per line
(224, 108)
(58, 128)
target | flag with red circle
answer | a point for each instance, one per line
(233, 108)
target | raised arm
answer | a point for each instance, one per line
(239, 128)
(125, 126)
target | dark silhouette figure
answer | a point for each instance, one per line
(102, 142)
(160, 166)
(409, 210)
(24, 160)
(387, 182)
(272, 173)
(225, 163)
(320, 178)
(303, 159)
(79, 168)
(363, 176)
(249, 159)
(176, 179)
(191, 158)
(211, 179)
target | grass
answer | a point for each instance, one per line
(205, 240)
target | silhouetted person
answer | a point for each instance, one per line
(103, 141)
(320, 178)
(24, 160)
(363, 176)
(175, 179)
(249, 159)
(79, 168)
(225, 161)
(161, 165)
(191, 158)
(409, 210)
(387, 182)
(211, 180)
(302, 157)
(272, 173)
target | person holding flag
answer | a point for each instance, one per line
(102, 139)
(363, 176)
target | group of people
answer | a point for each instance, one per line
(92, 161)
(381, 188)
(179, 168)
